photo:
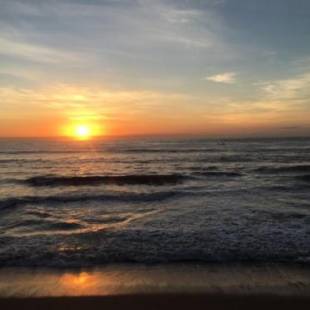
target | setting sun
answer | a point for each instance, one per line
(82, 132)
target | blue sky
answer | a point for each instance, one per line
(218, 67)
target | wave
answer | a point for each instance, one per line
(23, 161)
(115, 150)
(208, 168)
(219, 173)
(49, 224)
(10, 181)
(9, 203)
(158, 246)
(305, 177)
(284, 169)
(257, 152)
(276, 150)
(164, 150)
(139, 179)
(43, 152)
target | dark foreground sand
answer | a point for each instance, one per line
(156, 301)
(179, 286)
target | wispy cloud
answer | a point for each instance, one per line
(121, 41)
(72, 100)
(35, 53)
(226, 78)
(293, 88)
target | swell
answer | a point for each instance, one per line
(124, 197)
(115, 150)
(218, 174)
(165, 150)
(176, 150)
(22, 161)
(284, 169)
(305, 177)
(138, 179)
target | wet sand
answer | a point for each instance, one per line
(175, 286)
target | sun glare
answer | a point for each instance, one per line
(82, 132)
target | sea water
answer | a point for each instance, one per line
(73, 203)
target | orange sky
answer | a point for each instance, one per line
(154, 67)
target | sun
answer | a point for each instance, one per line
(82, 132)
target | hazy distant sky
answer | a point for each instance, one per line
(219, 67)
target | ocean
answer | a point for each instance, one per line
(72, 203)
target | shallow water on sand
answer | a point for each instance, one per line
(230, 279)
(77, 203)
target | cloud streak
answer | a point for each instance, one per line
(292, 88)
(226, 78)
(36, 53)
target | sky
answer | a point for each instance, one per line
(135, 67)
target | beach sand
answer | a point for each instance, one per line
(174, 286)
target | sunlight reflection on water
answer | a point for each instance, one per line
(136, 279)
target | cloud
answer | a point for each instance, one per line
(294, 88)
(178, 16)
(35, 53)
(88, 102)
(134, 44)
(226, 77)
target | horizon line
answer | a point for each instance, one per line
(184, 135)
